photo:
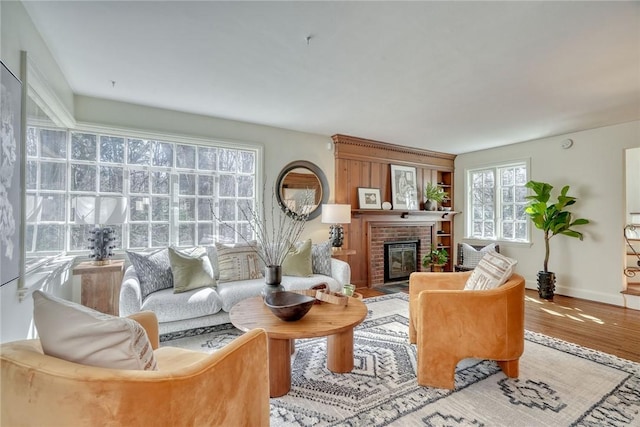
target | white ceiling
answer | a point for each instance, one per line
(447, 76)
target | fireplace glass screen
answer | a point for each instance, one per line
(400, 260)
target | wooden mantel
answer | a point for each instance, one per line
(400, 216)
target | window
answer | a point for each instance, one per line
(171, 187)
(497, 202)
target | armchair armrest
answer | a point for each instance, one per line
(149, 321)
(423, 281)
(341, 271)
(130, 293)
(227, 388)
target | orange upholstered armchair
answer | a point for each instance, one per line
(227, 388)
(449, 324)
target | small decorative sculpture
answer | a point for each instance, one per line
(102, 244)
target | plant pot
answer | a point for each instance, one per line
(437, 268)
(546, 284)
(430, 205)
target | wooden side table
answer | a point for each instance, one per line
(342, 254)
(100, 285)
(339, 252)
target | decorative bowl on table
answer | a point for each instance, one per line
(288, 306)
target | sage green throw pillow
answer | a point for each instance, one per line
(191, 271)
(298, 260)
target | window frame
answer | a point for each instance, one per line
(497, 202)
(174, 173)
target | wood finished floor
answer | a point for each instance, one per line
(603, 327)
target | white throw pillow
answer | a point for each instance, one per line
(492, 271)
(79, 334)
(472, 256)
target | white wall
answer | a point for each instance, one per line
(594, 168)
(17, 33)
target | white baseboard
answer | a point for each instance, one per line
(606, 298)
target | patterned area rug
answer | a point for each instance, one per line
(560, 384)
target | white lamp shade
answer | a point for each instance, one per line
(336, 214)
(107, 210)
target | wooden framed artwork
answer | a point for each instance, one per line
(10, 175)
(404, 189)
(369, 198)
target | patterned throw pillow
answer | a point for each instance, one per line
(471, 256)
(190, 271)
(79, 334)
(298, 260)
(153, 270)
(238, 262)
(321, 258)
(492, 271)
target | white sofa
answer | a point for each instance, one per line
(210, 306)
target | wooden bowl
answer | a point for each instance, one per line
(288, 306)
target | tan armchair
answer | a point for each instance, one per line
(449, 324)
(227, 388)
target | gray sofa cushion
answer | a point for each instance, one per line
(169, 306)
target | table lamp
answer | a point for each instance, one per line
(99, 211)
(336, 215)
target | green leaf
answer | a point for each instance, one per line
(580, 221)
(572, 233)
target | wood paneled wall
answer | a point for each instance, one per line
(365, 163)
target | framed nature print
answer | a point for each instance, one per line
(369, 198)
(404, 189)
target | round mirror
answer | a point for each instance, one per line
(302, 188)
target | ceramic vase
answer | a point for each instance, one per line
(272, 279)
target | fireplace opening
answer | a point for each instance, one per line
(400, 260)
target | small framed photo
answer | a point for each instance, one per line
(369, 198)
(404, 190)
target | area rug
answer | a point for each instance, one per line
(560, 384)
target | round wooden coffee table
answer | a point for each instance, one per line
(333, 321)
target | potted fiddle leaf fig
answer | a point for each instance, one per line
(433, 195)
(553, 219)
(436, 259)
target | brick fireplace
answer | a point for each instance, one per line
(382, 232)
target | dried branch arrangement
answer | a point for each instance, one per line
(278, 237)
